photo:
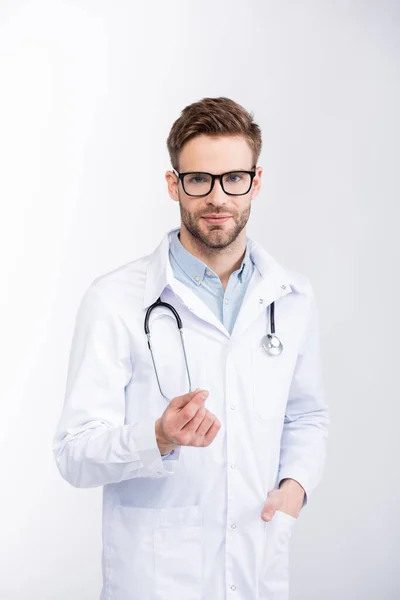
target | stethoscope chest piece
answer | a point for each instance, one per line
(272, 344)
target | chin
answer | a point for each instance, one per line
(223, 228)
(218, 238)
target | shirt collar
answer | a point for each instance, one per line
(195, 268)
(191, 265)
(159, 272)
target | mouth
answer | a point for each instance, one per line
(216, 219)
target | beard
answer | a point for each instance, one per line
(215, 237)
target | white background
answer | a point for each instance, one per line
(89, 91)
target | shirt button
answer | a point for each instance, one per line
(197, 278)
(233, 406)
(208, 273)
(233, 587)
(172, 451)
(226, 301)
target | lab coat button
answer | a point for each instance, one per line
(233, 406)
(233, 465)
(233, 526)
(233, 587)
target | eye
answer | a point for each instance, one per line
(197, 178)
(234, 177)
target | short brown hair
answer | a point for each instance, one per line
(214, 117)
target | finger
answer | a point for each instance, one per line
(205, 424)
(180, 401)
(268, 511)
(194, 423)
(267, 516)
(212, 432)
(187, 412)
(190, 431)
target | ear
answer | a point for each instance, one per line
(256, 183)
(172, 184)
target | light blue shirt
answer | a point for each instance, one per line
(194, 273)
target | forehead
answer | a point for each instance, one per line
(215, 154)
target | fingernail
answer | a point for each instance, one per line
(266, 515)
(204, 394)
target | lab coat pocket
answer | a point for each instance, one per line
(271, 377)
(154, 553)
(129, 567)
(178, 548)
(274, 572)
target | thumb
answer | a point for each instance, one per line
(181, 401)
(269, 510)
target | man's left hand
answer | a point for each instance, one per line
(288, 498)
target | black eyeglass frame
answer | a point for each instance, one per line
(214, 177)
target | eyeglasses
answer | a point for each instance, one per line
(233, 183)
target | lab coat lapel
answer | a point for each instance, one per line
(260, 295)
(160, 276)
(196, 305)
(269, 282)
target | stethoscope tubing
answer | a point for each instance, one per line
(180, 327)
(270, 342)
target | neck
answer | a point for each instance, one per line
(223, 261)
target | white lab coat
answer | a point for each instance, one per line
(189, 527)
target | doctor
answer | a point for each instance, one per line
(207, 450)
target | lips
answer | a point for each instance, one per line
(216, 219)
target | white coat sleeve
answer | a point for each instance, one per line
(305, 430)
(92, 445)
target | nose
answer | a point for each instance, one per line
(217, 196)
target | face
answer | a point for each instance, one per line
(215, 220)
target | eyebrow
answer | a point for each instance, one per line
(201, 171)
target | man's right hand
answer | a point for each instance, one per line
(186, 422)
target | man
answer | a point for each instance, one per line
(201, 488)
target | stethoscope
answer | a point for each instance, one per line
(270, 342)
